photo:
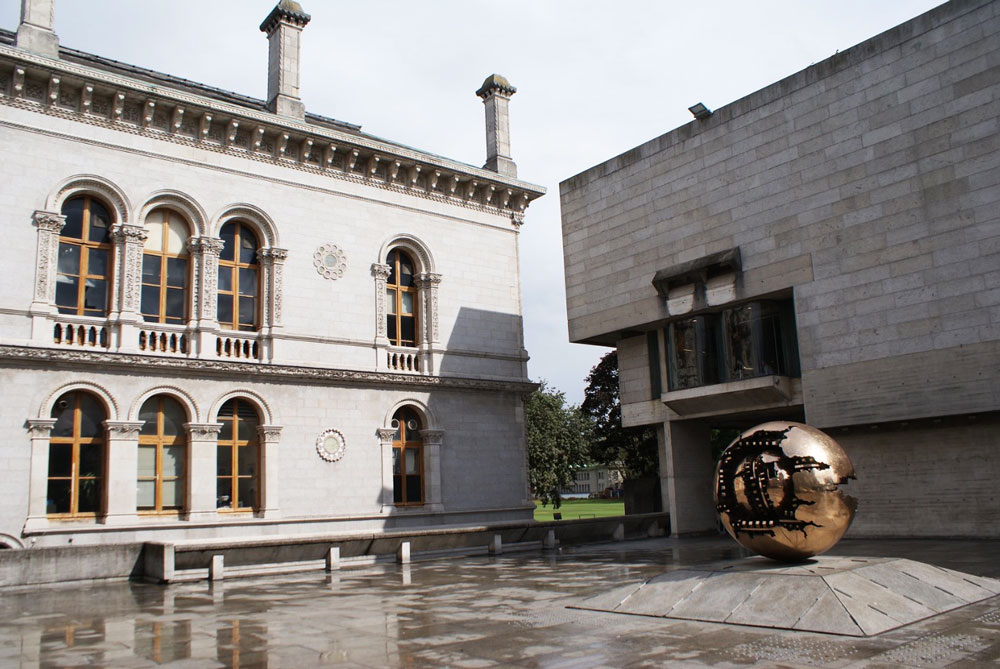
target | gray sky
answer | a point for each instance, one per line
(594, 79)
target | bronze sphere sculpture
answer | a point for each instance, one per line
(777, 491)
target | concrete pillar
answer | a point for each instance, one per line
(385, 436)
(217, 569)
(686, 470)
(122, 456)
(203, 439)
(39, 430)
(269, 436)
(550, 539)
(496, 92)
(333, 558)
(496, 545)
(36, 34)
(283, 27)
(619, 533)
(403, 554)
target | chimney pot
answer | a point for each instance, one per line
(284, 29)
(496, 92)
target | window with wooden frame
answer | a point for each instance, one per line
(401, 300)
(76, 456)
(239, 278)
(83, 271)
(407, 459)
(165, 268)
(238, 480)
(162, 455)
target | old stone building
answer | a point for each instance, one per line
(826, 249)
(228, 317)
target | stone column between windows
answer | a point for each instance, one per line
(128, 244)
(381, 273)
(48, 224)
(122, 457)
(39, 430)
(432, 469)
(686, 477)
(385, 437)
(427, 287)
(272, 265)
(207, 251)
(269, 436)
(203, 443)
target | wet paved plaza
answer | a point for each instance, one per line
(508, 611)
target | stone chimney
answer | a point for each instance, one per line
(496, 92)
(284, 28)
(35, 33)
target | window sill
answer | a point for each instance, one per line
(735, 396)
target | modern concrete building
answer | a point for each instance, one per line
(826, 249)
(228, 317)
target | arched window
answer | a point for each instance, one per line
(162, 455)
(76, 455)
(407, 459)
(84, 267)
(238, 486)
(401, 300)
(165, 268)
(238, 278)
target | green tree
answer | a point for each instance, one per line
(631, 449)
(557, 442)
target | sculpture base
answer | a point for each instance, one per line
(832, 595)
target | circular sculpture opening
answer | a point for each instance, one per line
(777, 491)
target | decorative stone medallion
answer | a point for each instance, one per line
(331, 445)
(330, 261)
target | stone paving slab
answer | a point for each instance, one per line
(506, 611)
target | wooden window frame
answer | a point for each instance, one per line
(85, 248)
(234, 445)
(161, 315)
(159, 441)
(76, 441)
(402, 443)
(395, 311)
(234, 266)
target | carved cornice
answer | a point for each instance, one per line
(287, 11)
(40, 427)
(380, 271)
(269, 433)
(123, 429)
(328, 142)
(246, 371)
(48, 220)
(212, 245)
(273, 254)
(427, 280)
(432, 437)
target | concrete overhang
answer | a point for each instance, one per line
(763, 392)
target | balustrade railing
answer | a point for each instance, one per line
(399, 359)
(234, 346)
(81, 335)
(153, 339)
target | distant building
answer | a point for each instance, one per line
(825, 250)
(224, 316)
(594, 480)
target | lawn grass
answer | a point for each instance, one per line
(571, 509)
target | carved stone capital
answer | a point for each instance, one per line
(427, 280)
(272, 255)
(40, 428)
(48, 220)
(123, 429)
(380, 271)
(203, 431)
(432, 437)
(269, 433)
(126, 233)
(211, 245)
(385, 435)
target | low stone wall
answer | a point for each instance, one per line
(160, 561)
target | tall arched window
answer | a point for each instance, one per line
(165, 268)
(162, 455)
(84, 267)
(407, 459)
(76, 455)
(238, 278)
(401, 300)
(238, 486)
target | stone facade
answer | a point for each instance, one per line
(326, 206)
(856, 203)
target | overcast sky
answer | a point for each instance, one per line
(594, 79)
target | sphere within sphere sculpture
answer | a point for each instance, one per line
(777, 491)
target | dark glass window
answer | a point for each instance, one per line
(83, 269)
(76, 456)
(239, 277)
(407, 459)
(401, 300)
(165, 268)
(238, 476)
